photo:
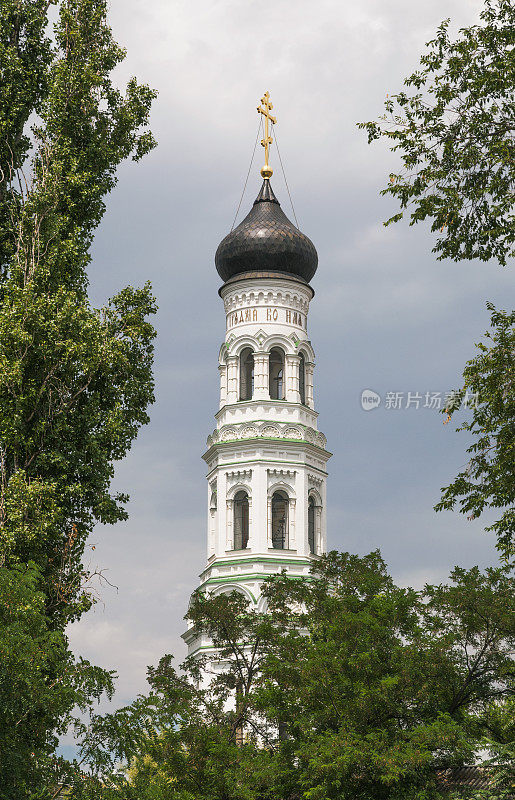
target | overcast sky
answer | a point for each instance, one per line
(386, 316)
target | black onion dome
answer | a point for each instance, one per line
(266, 241)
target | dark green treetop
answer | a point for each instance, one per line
(347, 687)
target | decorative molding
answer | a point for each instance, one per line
(239, 474)
(249, 432)
(310, 435)
(225, 434)
(260, 337)
(320, 440)
(267, 430)
(281, 473)
(297, 299)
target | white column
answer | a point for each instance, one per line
(292, 539)
(292, 378)
(212, 532)
(259, 508)
(269, 521)
(212, 517)
(261, 376)
(232, 379)
(310, 367)
(229, 542)
(221, 513)
(301, 519)
(319, 545)
(222, 369)
(323, 518)
(250, 543)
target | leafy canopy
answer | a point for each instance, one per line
(34, 707)
(453, 127)
(347, 687)
(488, 480)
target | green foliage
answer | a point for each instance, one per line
(33, 708)
(500, 767)
(347, 687)
(453, 128)
(75, 381)
(488, 480)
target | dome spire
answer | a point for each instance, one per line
(266, 240)
(265, 109)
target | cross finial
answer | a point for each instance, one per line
(265, 109)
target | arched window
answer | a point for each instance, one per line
(302, 379)
(241, 520)
(276, 374)
(311, 524)
(246, 374)
(280, 520)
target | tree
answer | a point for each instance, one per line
(347, 687)
(75, 381)
(454, 128)
(488, 480)
(34, 709)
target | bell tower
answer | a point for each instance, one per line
(266, 459)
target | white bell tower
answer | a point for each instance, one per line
(266, 459)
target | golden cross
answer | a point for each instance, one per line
(265, 108)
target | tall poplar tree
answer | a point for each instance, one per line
(75, 381)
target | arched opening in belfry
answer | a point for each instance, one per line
(280, 503)
(276, 373)
(311, 525)
(246, 374)
(241, 520)
(302, 379)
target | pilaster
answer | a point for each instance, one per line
(222, 369)
(232, 379)
(292, 378)
(310, 368)
(261, 390)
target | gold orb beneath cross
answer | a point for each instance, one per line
(267, 171)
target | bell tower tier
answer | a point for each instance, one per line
(266, 444)
(266, 459)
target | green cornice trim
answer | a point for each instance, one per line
(250, 577)
(270, 439)
(204, 647)
(260, 560)
(271, 461)
(272, 421)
